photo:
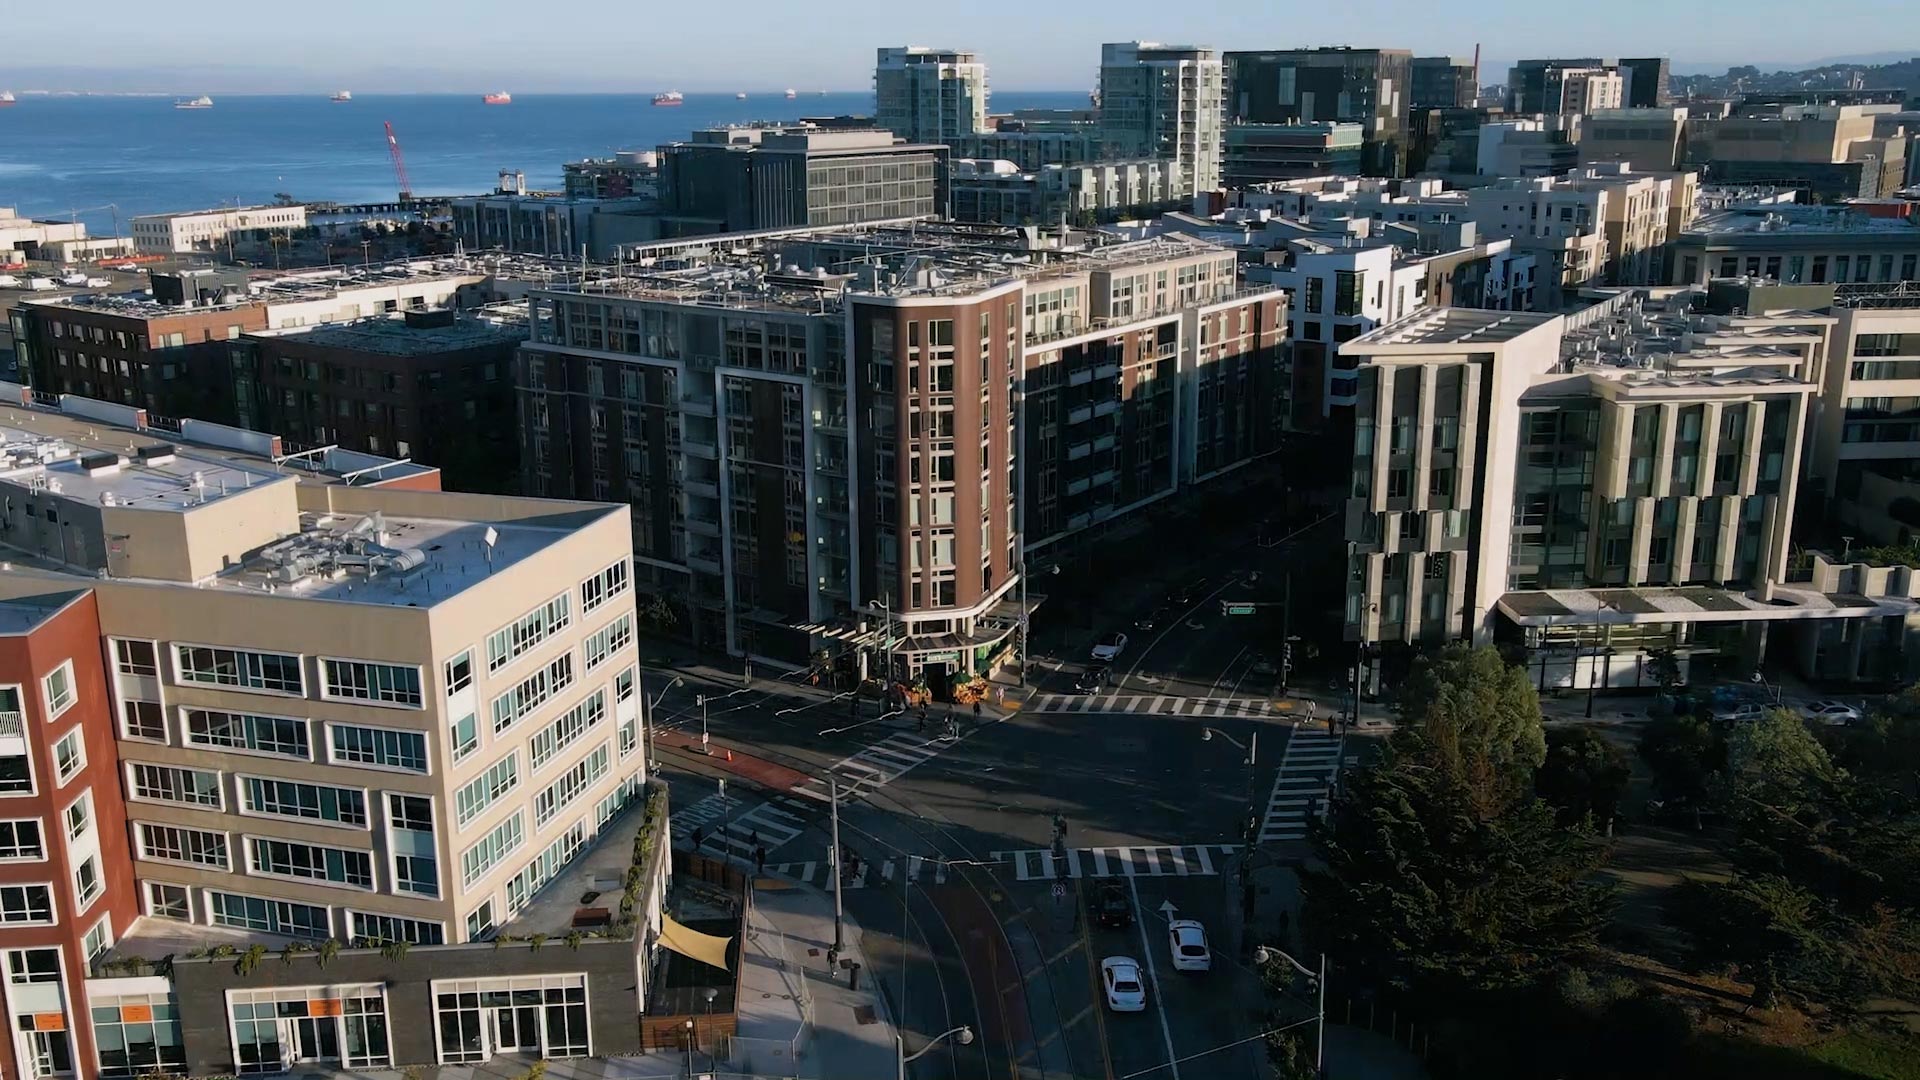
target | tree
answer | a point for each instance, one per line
(1663, 666)
(1583, 777)
(1471, 715)
(1773, 932)
(1774, 765)
(1684, 754)
(1419, 889)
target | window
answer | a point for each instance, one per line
(279, 735)
(563, 791)
(608, 640)
(58, 685)
(480, 922)
(312, 862)
(535, 689)
(135, 658)
(460, 672)
(143, 720)
(287, 798)
(86, 881)
(572, 724)
(274, 673)
(26, 904)
(360, 680)
(137, 1035)
(21, 840)
(367, 931)
(603, 586)
(191, 847)
(384, 748)
(416, 866)
(69, 756)
(79, 815)
(26, 966)
(506, 837)
(464, 736)
(480, 792)
(166, 901)
(165, 783)
(512, 641)
(267, 916)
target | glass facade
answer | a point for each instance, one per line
(543, 1016)
(1552, 499)
(275, 1029)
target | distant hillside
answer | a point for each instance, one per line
(1902, 74)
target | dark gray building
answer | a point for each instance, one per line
(752, 178)
(1648, 82)
(1368, 87)
(1443, 82)
(1530, 86)
(1262, 153)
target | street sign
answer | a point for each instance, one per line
(1228, 607)
(1059, 890)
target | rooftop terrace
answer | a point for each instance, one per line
(1799, 220)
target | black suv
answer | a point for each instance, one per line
(1108, 905)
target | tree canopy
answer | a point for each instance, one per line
(1468, 713)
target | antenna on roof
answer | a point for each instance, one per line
(492, 537)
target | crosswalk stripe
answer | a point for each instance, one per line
(1155, 705)
(1301, 785)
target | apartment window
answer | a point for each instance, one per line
(464, 736)
(69, 756)
(79, 815)
(571, 725)
(58, 685)
(547, 865)
(87, 885)
(482, 857)
(27, 966)
(480, 922)
(138, 1034)
(317, 802)
(143, 720)
(1316, 288)
(514, 640)
(559, 794)
(481, 792)
(98, 939)
(193, 847)
(361, 680)
(165, 783)
(21, 841)
(135, 658)
(608, 640)
(166, 901)
(460, 672)
(367, 930)
(384, 748)
(26, 904)
(279, 735)
(310, 862)
(533, 691)
(274, 673)
(416, 866)
(268, 916)
(603, 586)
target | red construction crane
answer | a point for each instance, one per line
(399, 164)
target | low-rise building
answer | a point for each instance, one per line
(1833, 151)
(1032, 150)
(552, 224)
(1647, 140)
(25, 238)
(626, 174)
(1537, 146)
(760, 177)
(1598, 225)
(1262, 153)
(1795, 244)
(188, 231)
(1000, 193)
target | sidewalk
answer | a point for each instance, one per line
(787, 996)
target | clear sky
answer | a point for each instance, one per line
(640, 45)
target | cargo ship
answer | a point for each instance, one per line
(671, 97)
(201, 102)
(498, 97)
(791, 93)
(741, 96)
(341, 96)
(6, 98)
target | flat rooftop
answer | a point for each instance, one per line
(170, 481)
(391, 335)
(1798, 220)
(1452, 326)
(23, 614)
(1691, 603)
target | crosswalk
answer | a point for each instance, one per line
(1300, 787)
(913, 868)
(1192, 860)
(877, 765)
(1151, 705)
(737, 825)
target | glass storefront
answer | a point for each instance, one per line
(276, 1029)
(540, 1015)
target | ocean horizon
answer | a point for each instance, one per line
(107, 158)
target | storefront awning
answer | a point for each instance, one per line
(693, 944)
(1690, 604)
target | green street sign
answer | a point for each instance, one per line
(1227, 608)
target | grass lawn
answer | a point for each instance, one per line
(1875, 1054)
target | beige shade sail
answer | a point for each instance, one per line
(693, 944)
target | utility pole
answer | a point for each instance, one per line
(1286, 638)
(833, 860)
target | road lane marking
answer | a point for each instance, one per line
(1153, 972)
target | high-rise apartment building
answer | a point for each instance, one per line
(928, 95)
(816, 430)
(1442, 82)
(1369, 87)
(1164, 101)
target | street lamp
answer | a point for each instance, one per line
(1267, 954)
(646, 750)
(1252, 762)
(962, 1035)
(690, 1034)
(1024, 619)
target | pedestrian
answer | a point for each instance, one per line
(1000, 695)
(760, 859)
(698, 837)
(976, 708)
(920, 722)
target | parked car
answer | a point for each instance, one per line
(1183, 595)
(1154, 619)
(1093, 680)
(75, 279)
(1745, 713)
(1263, 666)
(8, 281)
(1108, 905)
(1109, 648)
(41, 283)
(99, 282)
(1831, 712)
(1126, 990)
(1187, 941)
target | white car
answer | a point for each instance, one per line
(1187, 941)
(1831, 712)
(1741, 714)
(1109, 648)
(1126, 990)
